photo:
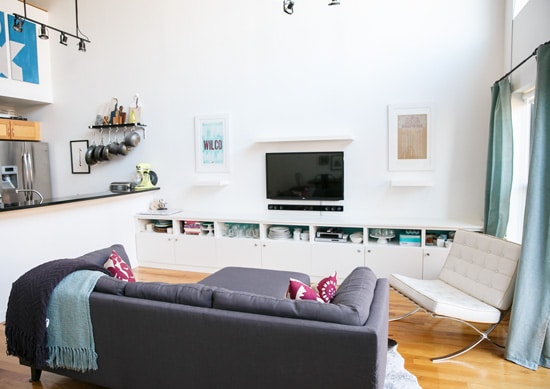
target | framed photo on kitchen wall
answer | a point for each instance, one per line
(410, 137)
(212, 143)
(78, 157)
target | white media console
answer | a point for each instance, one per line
(210, 243)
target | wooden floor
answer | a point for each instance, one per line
(419, 337)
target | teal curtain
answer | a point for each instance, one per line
(528, 341)
(498, 184)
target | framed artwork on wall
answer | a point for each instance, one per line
(410, 137)
(212, 143)
(23, 52)
(78, 157)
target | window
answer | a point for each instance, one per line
(522, 109)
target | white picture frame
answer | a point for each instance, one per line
(212, 143)
(410, 137)
(78, 157)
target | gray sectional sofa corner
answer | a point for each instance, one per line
(235, 329)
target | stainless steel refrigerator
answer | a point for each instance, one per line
(25, 172)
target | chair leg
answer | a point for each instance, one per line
(483, 335)
(405, 315)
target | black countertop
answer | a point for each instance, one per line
(71, 199)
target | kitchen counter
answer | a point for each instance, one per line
(71, 199)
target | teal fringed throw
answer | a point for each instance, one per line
(70, 340)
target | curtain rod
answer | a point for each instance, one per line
(521, 63)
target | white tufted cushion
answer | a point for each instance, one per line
(483, 267)
(477, 279)
(441, 298)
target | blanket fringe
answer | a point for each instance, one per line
(78, 359)
(20, 344)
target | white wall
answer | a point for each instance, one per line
(29, 237)
(531, 29)
(323, 70)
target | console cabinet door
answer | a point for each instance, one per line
(340, 257)
(433, 261)
(387, 259)
(286, 255)
(195, 251)
(155, 247)
(239, 252)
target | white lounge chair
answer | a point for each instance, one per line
(475, 285)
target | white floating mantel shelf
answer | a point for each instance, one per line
(319, 138)
(211, 183)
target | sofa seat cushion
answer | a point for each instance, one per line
(350, 306)
(189, 294)
(258, 281)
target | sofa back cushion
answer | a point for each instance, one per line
(350, 306)
(110, 285)
(357, 292)
(188, 294)
(99, 257)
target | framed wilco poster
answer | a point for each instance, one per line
(211, 143)
(409, 137)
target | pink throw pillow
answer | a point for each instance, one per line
(118, 268)
(327, 288)
(297, 290)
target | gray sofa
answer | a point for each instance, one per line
(236, 329)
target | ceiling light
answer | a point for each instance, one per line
(43, 32)
(82, 39)
(334, 2)
(288, 6)
(81, 45)
(63, 39)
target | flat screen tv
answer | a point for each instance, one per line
(305, 176)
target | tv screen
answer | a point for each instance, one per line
(305, 176)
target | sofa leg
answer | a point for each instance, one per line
(35, 374)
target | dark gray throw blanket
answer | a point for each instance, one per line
(28, 304)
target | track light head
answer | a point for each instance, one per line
(43, 32)
(288, 6)
(334, 2)
(63, 39)
(18, 24)
(81, 46)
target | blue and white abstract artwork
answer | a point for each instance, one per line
(23, 52)
(3, 47)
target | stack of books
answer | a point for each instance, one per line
(191, 227)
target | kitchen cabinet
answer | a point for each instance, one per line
(19, 130)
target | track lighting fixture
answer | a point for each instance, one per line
(63, 39)
(43, 32)
(63, 35)
(288, 5)
(18, 24)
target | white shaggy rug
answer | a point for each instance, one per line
(397, 377)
